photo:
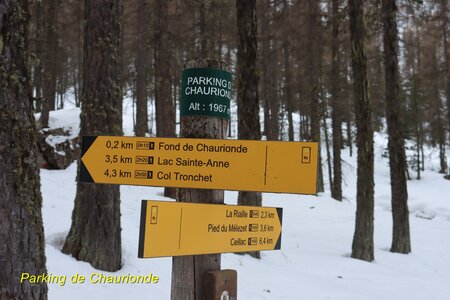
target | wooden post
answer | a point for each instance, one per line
(220, 285)
(188, 271)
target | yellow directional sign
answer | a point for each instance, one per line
(263, 166)
(179, 228)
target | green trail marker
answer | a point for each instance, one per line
(205, 92)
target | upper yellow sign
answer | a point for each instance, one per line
(178, 228)
(262, 166)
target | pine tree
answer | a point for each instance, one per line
(362, 247)
(165, 108)
(267, 81)
(141, 74)
(313, 57)
(397, 160)
(22, 245)
(49, 62)
(336, 188)
(247, 77)
(95, 232)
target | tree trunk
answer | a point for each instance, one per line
(288, 89)
(348, 100)
(165, 109)
(94, 236)
(336, 188)
(327, 148)
(122, 63)
(202, 29)
(80, 27)
(38, 51)
(304, 128)
(141, 76)
(21, 229)
(444, 12)
(438, 126)
(313, 81)
(247, 91)
(417, 104)
(188, 271)
(362, 247)
(220, 41)
(442, 158)
(349, 133)
(288, 95)
(49, 64)
(400, 239)
(415, 110)
(268, 89)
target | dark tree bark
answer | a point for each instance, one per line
(141, 76)
(94, 236)
(122, 64)
(336, 188)
(202, 29)
(313, 81)
(399, 194)
(445, 24)
(362, 247)
(349, 141)
(220, 42)
(165, 110)
(288, 95)
(288, 88)
(416, 115)
(38, 50)
(188, 271)
(268, 88)
(22, 243)
(79, 79)
(49, 63)
(327, 146)
(438, 122)
(247, 91)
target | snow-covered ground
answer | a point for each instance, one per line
(314, 261)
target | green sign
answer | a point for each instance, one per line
(205, 92)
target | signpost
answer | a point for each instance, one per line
(263, 166)
(202, 168)
(177, 228)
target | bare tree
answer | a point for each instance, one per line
(397, 160)
(445, 24)
(336, 188)
(95, 232)
(268, 83)
(247, 76)
(141, 74)
(165, 108)
(362, 247)
(313, 56)
(49, 62)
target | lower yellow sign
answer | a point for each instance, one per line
(179, 228)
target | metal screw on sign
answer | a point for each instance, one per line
(225, 296)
